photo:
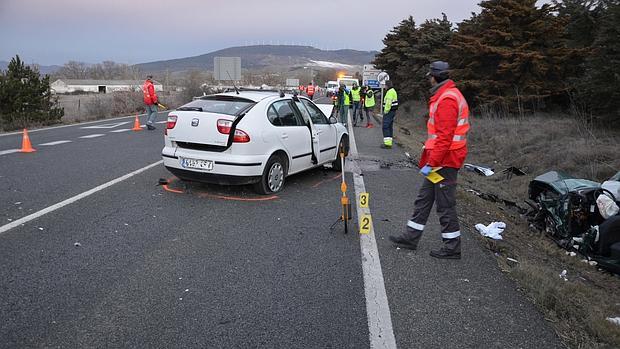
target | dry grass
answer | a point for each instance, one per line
(577, 308)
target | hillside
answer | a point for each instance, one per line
(264, 56)
(43, 69)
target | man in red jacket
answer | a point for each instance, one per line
(150, 99)
(446, 149)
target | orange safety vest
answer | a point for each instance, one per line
(462, 126)
(310, 89)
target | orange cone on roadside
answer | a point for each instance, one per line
(26, 146)
(136, 125)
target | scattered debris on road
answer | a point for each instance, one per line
(481, 170)
(77, 244)
(563, 275)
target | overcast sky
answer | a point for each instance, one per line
(135, 31)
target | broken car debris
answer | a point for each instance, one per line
(566, 209)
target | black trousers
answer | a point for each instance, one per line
(443, 195)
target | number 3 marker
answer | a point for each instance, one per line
(365, 224)
(364, 198)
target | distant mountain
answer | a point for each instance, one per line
(43, 69)
(266, 56)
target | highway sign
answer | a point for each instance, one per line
(227, 68)
(383, 77)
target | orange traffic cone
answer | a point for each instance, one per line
(26, 146)
(136, 125)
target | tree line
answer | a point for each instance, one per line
(514, 56)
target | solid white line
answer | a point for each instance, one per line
(10, 151)
(380, 328)
(93, 135)
(55, 143)
(71, 200)
(121, 130)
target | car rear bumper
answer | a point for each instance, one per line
(212, 178)
(224, 164)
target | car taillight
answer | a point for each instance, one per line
(224, 126)
(241, 137)
(172, 122)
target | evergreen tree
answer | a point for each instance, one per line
(25, 97)
(408, 51)
(601, 82)
(512, 54)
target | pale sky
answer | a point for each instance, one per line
(135, 31)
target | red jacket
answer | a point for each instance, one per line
(150, 97)
(445, 124)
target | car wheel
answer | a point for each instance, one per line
(337, 164)
(272, 180)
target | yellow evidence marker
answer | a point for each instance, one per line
(365, 224)
(364, 200)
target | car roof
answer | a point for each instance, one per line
(255, 95)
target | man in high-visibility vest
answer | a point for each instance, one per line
(390, 105)
(369, 104)
(445, 149)
(356, 96)
(343, 101)
(310, 91)
(150, 100)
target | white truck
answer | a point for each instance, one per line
(331, 87)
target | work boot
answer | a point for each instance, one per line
(150, 127)
(444, 253)
(405, 241)
(451, 249)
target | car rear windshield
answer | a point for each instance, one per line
(219, 104)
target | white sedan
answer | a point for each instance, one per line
(251, 137)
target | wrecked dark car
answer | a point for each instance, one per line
(566, 208)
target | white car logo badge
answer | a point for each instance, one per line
(195, 122)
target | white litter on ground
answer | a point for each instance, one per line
(563, 275)
(614, 320)
(493, 230)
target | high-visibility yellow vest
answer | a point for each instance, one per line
(390, 101)
(369, 101)
(355, 93)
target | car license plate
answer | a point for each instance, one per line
(198, 164)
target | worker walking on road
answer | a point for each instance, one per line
(310, 91)
(446, 149)
(150, 100)
(356, 92)
(343, 103)
(369, 104)
(390, 106)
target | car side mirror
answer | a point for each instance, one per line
(333, 120)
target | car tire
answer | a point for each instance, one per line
(337, 164)
(272, 179)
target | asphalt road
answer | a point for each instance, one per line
(195, 266)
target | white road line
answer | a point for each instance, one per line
(71, 200)
(10, 151)
(121, 130)
(72, 125)
(55, 143)
(377, 307)
(93, 135)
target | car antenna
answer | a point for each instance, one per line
(233, 82)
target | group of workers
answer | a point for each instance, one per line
(360, 99)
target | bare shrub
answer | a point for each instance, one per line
(98, 107)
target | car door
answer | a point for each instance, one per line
(314, 132)
(292, 133)
(326, 131)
